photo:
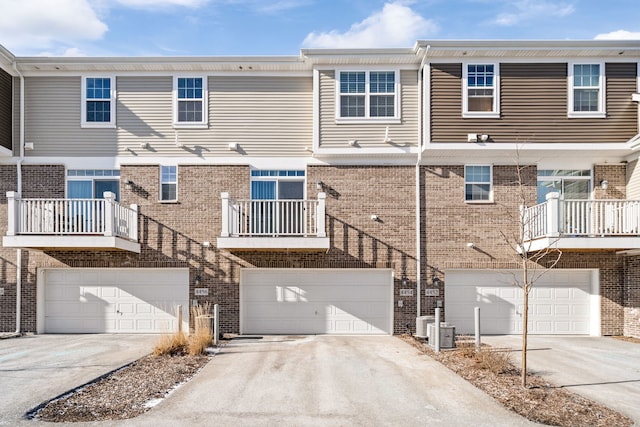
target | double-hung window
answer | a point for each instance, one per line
(478, 183)
(367, 95)
(480, 90)
(98, 102)
(586, 90)
(168, 183)
(190, 108)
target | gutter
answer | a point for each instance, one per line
(421, 112)
(19, 191)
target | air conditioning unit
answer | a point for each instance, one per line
(422, 325)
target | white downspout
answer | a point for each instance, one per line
(19, 191)
(421, 112)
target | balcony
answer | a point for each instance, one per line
(280, 225)
(53, 224)
(582, 224)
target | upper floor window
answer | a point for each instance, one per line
(480, 97)
(98, 102)
(478, 183)
(190, 107)
(367, 95)
(586, 91)
(168, 183)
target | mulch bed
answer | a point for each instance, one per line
(125, 393)
(540, 402)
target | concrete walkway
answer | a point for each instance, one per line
(603, 369)
(326, 381)
(36, 368)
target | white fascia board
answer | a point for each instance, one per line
(585, 243)
(5, 152)
(354, 151)
(634, 143)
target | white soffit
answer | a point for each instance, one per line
(461, 153)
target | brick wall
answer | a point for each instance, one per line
(632, 297)
(37, 181)
(450, 224)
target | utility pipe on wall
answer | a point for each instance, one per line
(421, 109)
(19, 191)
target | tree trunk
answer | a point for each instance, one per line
(525, 323)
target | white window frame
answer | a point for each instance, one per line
(495, 111)
(168, 182)
(490, 199)
(112, 106)
(601, 113)
(367, 96)
(204, 100)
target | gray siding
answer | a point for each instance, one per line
(533, 106)
(371, 134)
(52, 112)
(6, 105)
(144, 114)
(16, 116)
(633, 180)
(266, 116)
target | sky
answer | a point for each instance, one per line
(283, 27)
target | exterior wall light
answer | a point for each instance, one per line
(604, 184)
(128, 184)
(435, 281)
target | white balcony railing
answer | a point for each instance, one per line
(104, 217)
(581, 218)
(273, 218)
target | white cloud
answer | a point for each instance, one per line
(396, 25)
(39, 24)
(532, 9)
(619, 35)
(144, 4)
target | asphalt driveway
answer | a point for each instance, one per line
(604, 369)
(36, 368)
(326, 381)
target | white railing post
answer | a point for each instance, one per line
(133, 223)
(320, 212)
(216, 324)
(108, 214)
(13, 199)
(225, 215)
(553, 214)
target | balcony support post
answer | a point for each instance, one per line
(109, 213)
(553, 214)
(133, 223)
(320, 216)
(13, 213)
(225, 215)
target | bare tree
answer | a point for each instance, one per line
(533, 263)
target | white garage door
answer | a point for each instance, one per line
(113, 300)
(561, 302)
(277, 301)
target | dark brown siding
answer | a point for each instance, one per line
(533, 106)
(5, 109)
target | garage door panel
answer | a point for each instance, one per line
(114, 300)
(316, 301)
(560, 302)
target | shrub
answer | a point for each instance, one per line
(497, 361)
(194, 344)
(170, 344)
